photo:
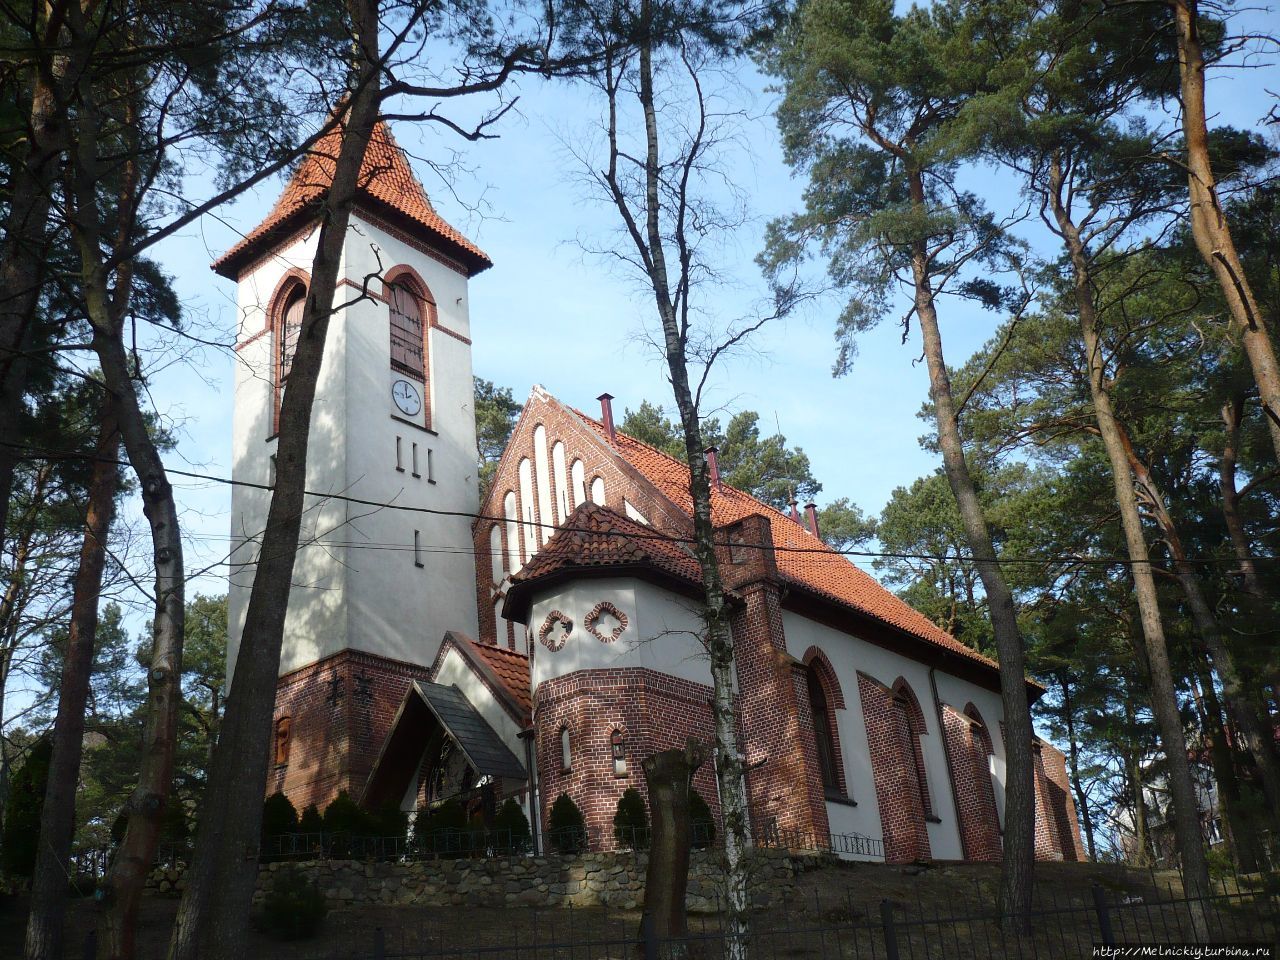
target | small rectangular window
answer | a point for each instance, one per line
(399, 456)
(431, 467)
(414, 460)
(417, 548)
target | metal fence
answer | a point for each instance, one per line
(1059, 927)
(451, 843)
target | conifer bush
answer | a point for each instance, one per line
(511, 828)
(310, 821)
(567, 829)
(702, 826)
(631, 821)
(293, 908)
(278, 818)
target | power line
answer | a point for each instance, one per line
(36, 453)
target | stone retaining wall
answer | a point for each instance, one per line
(615, 879)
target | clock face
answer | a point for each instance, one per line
(407, 399)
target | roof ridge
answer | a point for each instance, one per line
(684, 466)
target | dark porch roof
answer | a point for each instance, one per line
(428, 711)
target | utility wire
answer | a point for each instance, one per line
(35, 453)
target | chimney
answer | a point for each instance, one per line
(795, 508)
(811, 511)
(606, 415)
(714, 466)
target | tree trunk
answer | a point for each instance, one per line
(1209, 224)
(1164, 698)
(106, 302)
(212, 921)
(1244, 699)
(669, 776)
(1073, 758)
(1017, 869)
(25, 247)
(719, 637)
(57, 820)
(1232, 416)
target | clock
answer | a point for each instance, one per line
(406, 397)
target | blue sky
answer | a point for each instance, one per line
(547, 313)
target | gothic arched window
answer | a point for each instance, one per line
(407, 338)
(912, 717)
(288, 327)
(618, 749)
(823, 735)
(566, 756)
(283, 730)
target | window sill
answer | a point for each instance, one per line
(841, 799)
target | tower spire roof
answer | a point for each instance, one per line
(386, 187)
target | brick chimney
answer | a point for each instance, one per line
(811, 512)
(714, 467)
(606, 415)
(795, 509)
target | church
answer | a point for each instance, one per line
(544, 639)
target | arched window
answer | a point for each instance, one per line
(288, 327)
(912, 717)
(406, 329)
(283, 727)
(822, 732)
(566, 756)
(618, 747)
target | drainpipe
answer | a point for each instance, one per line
(946, 753)
(534, 805)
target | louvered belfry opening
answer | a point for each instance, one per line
(406, 331)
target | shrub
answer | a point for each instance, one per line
(389, 822)
(511, 828)
(22, 813)
(702, 826)
(293, 907)
(310, 821)
(344, 815)
(278, 819)
(442, 830)
(631, 821)
(567, 828)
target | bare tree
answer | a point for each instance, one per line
(658, 173)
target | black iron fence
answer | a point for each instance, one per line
(1060, 926)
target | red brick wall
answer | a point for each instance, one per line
(968, 746)
(654, 711)
(1048, 837)
(1061, 803)
(340, 711)
(902, 822)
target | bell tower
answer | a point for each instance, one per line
(384, 566)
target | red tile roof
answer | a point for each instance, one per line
(386, 183)
(802, 559)
(595, 536)
(511, 669)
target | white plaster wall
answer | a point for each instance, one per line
(662, 631)
(393, 607)
(368, 596)
(316, 600)
(849, 655)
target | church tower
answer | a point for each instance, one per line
(384, 565)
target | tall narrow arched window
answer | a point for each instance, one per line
(406, 330)
(618, 750)
(823, 736)
(912, 717)
(566, 756)
(283, 730)
(288, 327)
